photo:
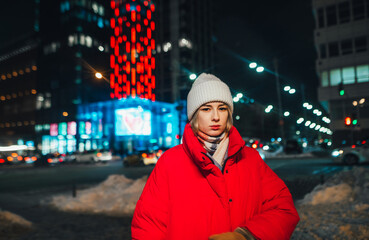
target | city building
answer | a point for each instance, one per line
(184, 31)
(88, 62)
(18, 84)
(342, 42)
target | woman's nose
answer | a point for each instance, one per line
(215, 115)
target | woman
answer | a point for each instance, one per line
(212, 186)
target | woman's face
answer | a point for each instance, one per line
(212, 118)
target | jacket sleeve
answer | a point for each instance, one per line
(151, 213)
(278, 216)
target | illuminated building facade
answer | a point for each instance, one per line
(132, 60)
(342, 41)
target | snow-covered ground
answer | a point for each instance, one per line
(337, 209)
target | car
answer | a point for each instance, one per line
(49, 159)
(350, 155)
(93, 156)
(143, 157)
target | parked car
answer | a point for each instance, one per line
(48, 160)
(143, 157)
(292, 147)
(93, 156)
(351, 155)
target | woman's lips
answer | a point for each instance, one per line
(215, 127)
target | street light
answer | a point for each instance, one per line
(286, 88)
(98, 75)
(252, 65)
(239, 95)
(260, 69)
(286, 113)
(193, 76)
(292, 91)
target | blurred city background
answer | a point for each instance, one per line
(105, 82)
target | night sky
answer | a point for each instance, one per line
(249, 30)
(261, 31)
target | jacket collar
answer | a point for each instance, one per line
(197, 152)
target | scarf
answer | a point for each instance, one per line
(215, 146)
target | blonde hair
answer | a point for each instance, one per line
(195, 125)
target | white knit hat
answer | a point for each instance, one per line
(207, 88)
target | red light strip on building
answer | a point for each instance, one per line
(131, 60)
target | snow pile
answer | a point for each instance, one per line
(350, 186)
(117, 195)
(8, 218)
(337, 209)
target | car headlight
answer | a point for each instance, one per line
(337, 153)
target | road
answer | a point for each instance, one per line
(64, 176)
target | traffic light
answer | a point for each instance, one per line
(341, 90)
(347, 121)
(354, 119)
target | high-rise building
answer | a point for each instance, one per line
(342, 41)
(184, 45)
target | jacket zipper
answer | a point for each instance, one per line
(231, 157)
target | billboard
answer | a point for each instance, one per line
(132, 121)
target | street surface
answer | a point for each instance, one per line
(15, 179)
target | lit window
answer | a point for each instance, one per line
(325, 81)
(82, 39)
(34, 68)
(88, 41)
(21, 72)
(2, 98)
(95, 7)
(15, 74)
(9, 75)
(362, 73)
(3, 77)
(348, 75)
(33, 91)
(14, 95)
(28, 70)
(70, 40)
(185, 43)
(335, 77)
(167, 46)
(8, 97)
(101, 10)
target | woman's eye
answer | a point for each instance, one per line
(205, 109)
(223, 108)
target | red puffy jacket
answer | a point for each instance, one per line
(188, 197)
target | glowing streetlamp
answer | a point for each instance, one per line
(98, 75)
